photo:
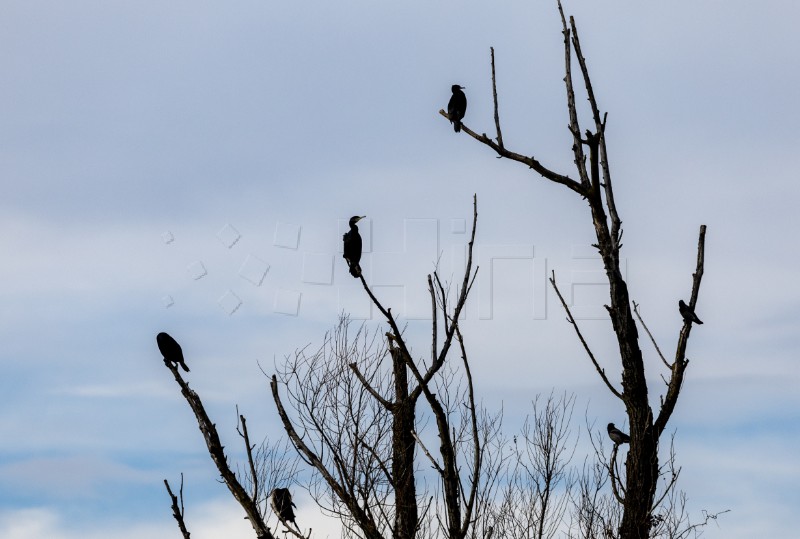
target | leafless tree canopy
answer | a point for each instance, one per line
(394, 438)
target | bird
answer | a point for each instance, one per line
(352, 247)
(617, 436)
(171, 350)
(688, 313)
(281, 502)
(457, 107)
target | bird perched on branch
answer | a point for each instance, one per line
(688, 313)
(171, 350)
(457, 107)
(352, 247)
(281, 501)
(617, 436)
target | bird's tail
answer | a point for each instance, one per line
(697, 320)
(184, 367)
(457, 126)
(355, 270)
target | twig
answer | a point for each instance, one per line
(249, 448)
(652, 339)
(494, 96)
(572, 321)
(427, 453)
(178, 511)
(477, 460)
(616, 484)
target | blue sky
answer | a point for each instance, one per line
(179, 154)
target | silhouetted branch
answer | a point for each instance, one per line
(616, 483)
(530, 162)
(680, 364)
(178, 511)
(249, 449)
(652, 339)
(574, 126)
(377, 396)
(427, 453)
(216, 450)
(572, 321)
(496, 111)
(477, 452)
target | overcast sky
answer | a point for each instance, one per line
(187, 167)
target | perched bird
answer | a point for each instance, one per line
(281, 501)
(171, 350)
(617, 436)
(457, 107)
(352, 247)
(688, 313)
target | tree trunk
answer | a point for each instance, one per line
(403, 446)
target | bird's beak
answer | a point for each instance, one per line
(463, 87)
(362, 217)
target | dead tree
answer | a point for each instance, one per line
(593, 184)
(355, 406)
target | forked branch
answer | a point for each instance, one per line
(178, 510)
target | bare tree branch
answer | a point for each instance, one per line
(680, 363)
(377, 396)
(178, 511)
(652, 339)
(572, 321)
(574, 126)
(496, 110)
(530, 162)
(216, 450)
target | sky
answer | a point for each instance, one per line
(189, 167)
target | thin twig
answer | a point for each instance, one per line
(178, 511)
(250, 460)
(652, 339)
(616, 484)
(427, 453)
(496, 111)
(572, 321)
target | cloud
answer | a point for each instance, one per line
(207, 521)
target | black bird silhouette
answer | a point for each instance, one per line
(688, 313)
(617, 436)
(352, 247)
(457, 107)
(281, 501)
(171, 350)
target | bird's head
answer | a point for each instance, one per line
(356, 218)
(682, 304)
(456, 88)
(610, 427)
